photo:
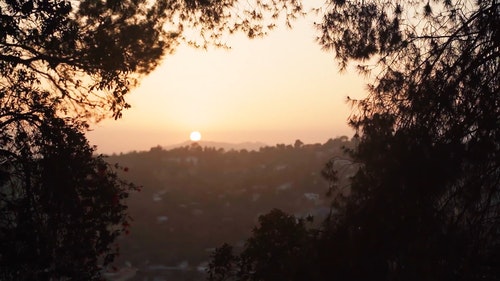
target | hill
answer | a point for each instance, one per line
(224, 145)
(195, 198)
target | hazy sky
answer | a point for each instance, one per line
(275, 89)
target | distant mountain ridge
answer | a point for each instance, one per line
(224, 145)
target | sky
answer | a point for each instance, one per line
(274, 89)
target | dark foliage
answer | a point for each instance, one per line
(60, 206)
(63, 64)
(424, 204)
(84, 56)
(281, 248)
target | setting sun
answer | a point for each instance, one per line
(195, 136)
(239, 95)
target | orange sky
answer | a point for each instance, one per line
(275, 90)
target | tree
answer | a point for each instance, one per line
(64, 64)
(61, 206)
(88, 54)
(298, 144)
(281, 248)
(424, 204)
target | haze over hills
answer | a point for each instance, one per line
(195, 197)
(224, 145)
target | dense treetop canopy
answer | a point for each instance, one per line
(423, 55)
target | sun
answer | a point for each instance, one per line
(195, 136)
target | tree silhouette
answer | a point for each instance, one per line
(84, 57)
(64, 64)
(281, 248)
(61, 207)
(424, 204)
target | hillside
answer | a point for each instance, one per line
(224, 145)
(195, 198)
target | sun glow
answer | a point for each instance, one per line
(195, 136)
